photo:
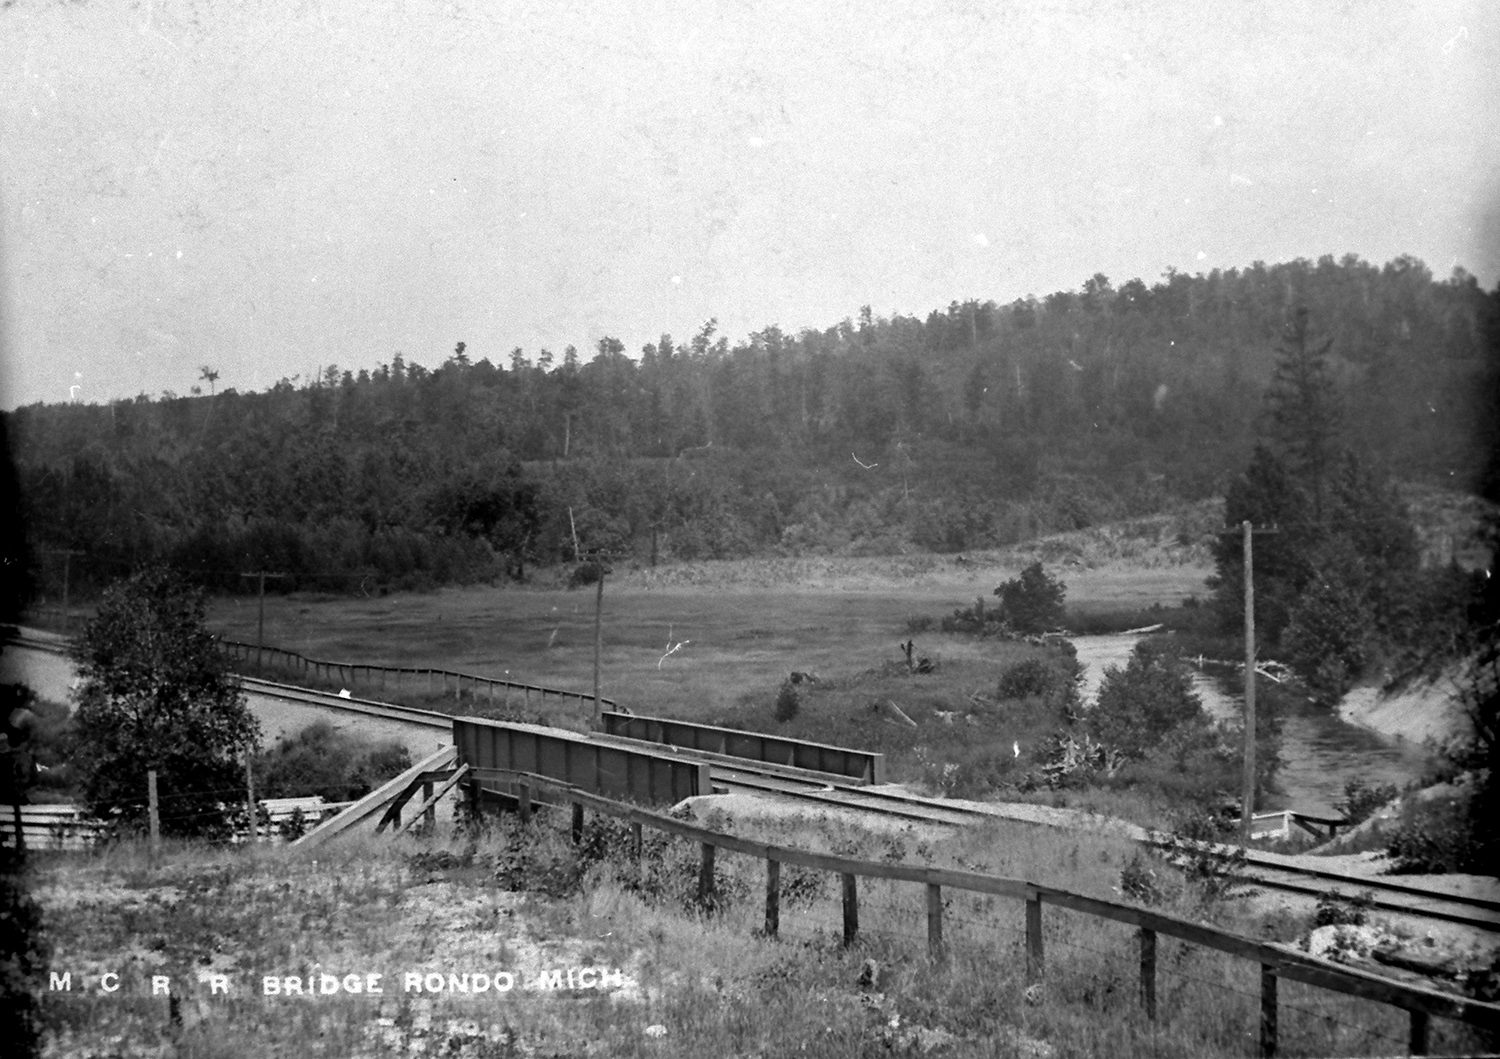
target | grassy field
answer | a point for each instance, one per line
(737, 643)
(527, 902)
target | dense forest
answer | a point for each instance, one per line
(981, 425)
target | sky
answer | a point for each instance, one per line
(265, 189)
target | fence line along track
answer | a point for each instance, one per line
(349, 673)
(1276, 961)
(838, 793)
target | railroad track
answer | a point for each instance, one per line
(1262, 870)
(831, 792)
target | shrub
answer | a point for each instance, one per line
(1033, 602)
(1140, 704)
(919, 623)
(1031, 676)
(788, 702)
(321, 760)
(1336, 910)
(1138, 881)
(1361, 800)
(1437, 836)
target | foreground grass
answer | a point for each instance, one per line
(691, 984)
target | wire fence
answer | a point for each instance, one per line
(1173, 987)
(418, 679)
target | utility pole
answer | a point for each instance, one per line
(1247, 805)
(1247, 802)
(598, 632)
(260, 632)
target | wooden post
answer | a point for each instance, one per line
(706, 878)
(1148, 972)
(1035, 955)
(260, 629)
(773, 896)
(15, 812)
(851, 909)
(935, 923)
(1417, 1039)
(1247, 805)
(523, 800)
(429, 815)
(635, 842)
(577, 823)
(250, 797)
(1267, 1011)
(151, 809)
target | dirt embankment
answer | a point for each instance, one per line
(1422, 712)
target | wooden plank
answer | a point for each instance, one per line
(373, 802)
(428, 807)
(773, 896)
(851, 908)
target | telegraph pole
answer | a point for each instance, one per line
(260, 632)
(1247, 804)
(598, 632)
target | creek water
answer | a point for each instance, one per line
(1320, 753)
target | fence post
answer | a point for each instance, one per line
(250, 797)
(773, 896)
(851, 909)
(1267, 1011)
(1035, 956)
(1417, 1040)
(635, 841)
(151, 809)
(577, 823)
(935, 923)
(1148, 972)
(523, 800)
(429, 815)
(706, 878)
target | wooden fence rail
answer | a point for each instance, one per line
(349, 673)
(1276, 961)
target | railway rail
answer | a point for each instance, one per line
(734, 774)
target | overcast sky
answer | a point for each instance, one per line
(267, 188)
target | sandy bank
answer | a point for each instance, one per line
(1419, 713)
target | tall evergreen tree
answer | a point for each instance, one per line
(1303, 407)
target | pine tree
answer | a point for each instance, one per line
(1303, 407)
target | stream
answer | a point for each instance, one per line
(1320, 753)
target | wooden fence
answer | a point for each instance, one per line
(1276, 961)
(433, 681)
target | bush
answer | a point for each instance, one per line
(1032, 603)
(1054, 682)
(1361, 800)
(1336, 910)
(323, 761)
(1437, 836)
(788, 701)
(1140, 704)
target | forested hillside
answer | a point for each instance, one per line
(978, 426)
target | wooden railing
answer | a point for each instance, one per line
(1276, 961)
(398, 677)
